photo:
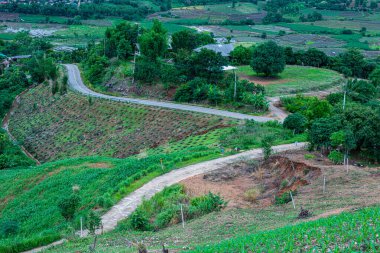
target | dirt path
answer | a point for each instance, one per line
(5, 126)
(127, 205)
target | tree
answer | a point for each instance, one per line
(124, 49)
(241, 55)
(189, 40)
(42, 68)
(375, 77)
(361, 91)
(69, 205)
(147, 71)
(296, 122)
(268, 59)
(208, 64)
(154, 43)
(314, 57)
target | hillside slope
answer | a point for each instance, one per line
(72, 125)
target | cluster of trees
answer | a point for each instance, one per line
(130, 10)
(339, 125)
(351, 63)
(39, 66)
(311, 17)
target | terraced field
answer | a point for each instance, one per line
(56, 127)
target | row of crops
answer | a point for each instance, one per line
(56, 127)
(29, 198)
(347, 232)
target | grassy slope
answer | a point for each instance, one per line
(347, 232)
(57, 127)
(297, 79)
(30, 197)
(351, 191)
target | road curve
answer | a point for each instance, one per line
(76, 83)
(128, 204)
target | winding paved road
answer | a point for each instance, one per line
(76, 83)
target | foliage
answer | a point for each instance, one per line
(154, 42)
(311, 107)
(93, 222)
(330, 234)
(147, 70)
(352, 63)
(207, 64)
(267, 143)
(296, 122)
(164, 208)
(336, 157)
(361, 91)
(258, 101)
(8, 228)
(120, 41)
(241, 55)
(69, 205)
(311, 17)
(284, 198)
(11, 156)
(95, 67)
(268, 59)
(375, 77)
(189, 40)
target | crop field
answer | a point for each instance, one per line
(294, 79)
(344, 192)
(57, 127)
(29, 197)
(77, 35)
(349, 232)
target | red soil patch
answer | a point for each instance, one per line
(271, 178)
(264, 80)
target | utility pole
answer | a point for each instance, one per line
(235, 85)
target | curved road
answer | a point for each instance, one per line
(76, 83)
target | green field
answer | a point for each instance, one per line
(348, 232)
(296, 79)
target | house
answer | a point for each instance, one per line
(223, 49)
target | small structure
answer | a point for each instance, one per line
(223, 49)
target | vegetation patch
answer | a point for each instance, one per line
(83, 126)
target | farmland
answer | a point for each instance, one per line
(83, 126)
(247, 224)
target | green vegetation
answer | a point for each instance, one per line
(296, 79)
(268, 59)
(330, 234)
(101, 127)
(45, 215)
(11, 156)
(164, 209)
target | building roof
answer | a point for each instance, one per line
(224, 49)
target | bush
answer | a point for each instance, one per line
(8, 227)
(284, 198)
(296, 122)
(139, 221)
(69, 205)
(208, 203)
(251, 195)
(336, 157)
(93, 222)
(258, 101)
(267, 144)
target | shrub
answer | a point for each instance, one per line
(258, 101)
(284, 198)
(251, 195)
(267, 144)
(296, 122)
(336, 157)
(69, 205)
(139, 221)
(309, 156)
(93, 222)
(208, 203)
(8, 227)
